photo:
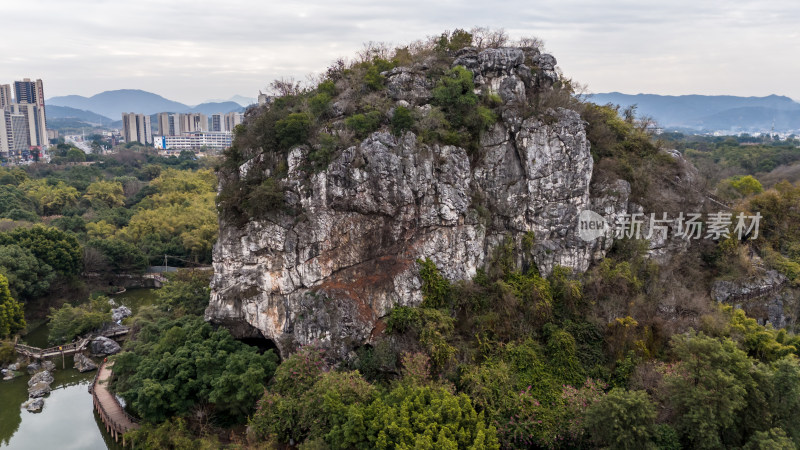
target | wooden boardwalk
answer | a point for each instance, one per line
(65, 349)
(117, 421)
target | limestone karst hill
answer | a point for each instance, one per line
(331, 196)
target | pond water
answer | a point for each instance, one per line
(68, 420)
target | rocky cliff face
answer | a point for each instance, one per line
(765, 297)
(330, 274)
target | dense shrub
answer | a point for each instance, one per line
(306, 401)
(187, 292)
(402, 120)
(173, 434)
(174, 365)
(69, 322)
(319, 104)
(364, 124)
(293, 130)
(622, 420)
(415, 416)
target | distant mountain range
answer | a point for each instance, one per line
(65, 112)
(111, 105)
(240, 99)
(711, 112)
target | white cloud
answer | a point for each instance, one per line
(194, 50)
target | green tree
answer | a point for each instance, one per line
(747, 185)
(319, 104)
(784, 396)
(187, 291)
(773, 439)
(402, 120)
(108, 192)
(293, 130)
(52, 199)
(14, 204)
(58, 249)
(100, 229)
(415, 417)
(12, 318)
(364, 124)
(709, 387)
(621, 419)
(180, 219)
(69, 322)
(306, 400)
(28, 277)
(75, 155)
(13, 176)
(177, 364)
(123, 257)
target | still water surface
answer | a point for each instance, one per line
(68, 420)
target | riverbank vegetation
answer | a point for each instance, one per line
(69, 229)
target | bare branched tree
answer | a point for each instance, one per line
(373, 50)
(530, 42)
(285, 86)
(336, 70)
(484, 37)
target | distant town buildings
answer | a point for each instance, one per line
(167, 123)
(137, 128)
(195, 141)
(195, 131)
(23, 124)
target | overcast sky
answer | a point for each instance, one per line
(192, 51)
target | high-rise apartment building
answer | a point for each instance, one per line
(20, 133)
(231, 120)
(29, 93)
(169, 124)
(6, 138)
(23, 123)
(217, 123)
(34, 133)
(14, 135)
(137, 128)
(25, 91)
(193, 122)
(5, 95)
